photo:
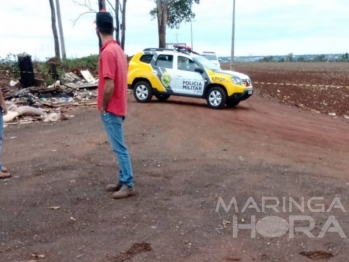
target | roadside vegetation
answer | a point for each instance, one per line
(9, 67)
(321, 72)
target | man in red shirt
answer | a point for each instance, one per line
(112, 101)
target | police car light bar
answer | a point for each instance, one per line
(182, 47)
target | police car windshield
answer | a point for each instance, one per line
(206, 63)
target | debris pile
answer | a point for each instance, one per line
(27, 114)
(76, 82)
(48, 103)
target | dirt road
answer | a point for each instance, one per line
(185, 156)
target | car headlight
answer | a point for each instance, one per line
(236, 80)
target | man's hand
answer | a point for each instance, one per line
(102, 110)
(107, 94)
(4, 111)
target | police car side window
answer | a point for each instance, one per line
(146, 58)
(186, 64)
(165, 61)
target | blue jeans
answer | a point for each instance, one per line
(114, 129)
(1, 132)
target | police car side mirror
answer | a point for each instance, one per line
(199, 70)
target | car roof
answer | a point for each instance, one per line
(172, 52)
(177, 50)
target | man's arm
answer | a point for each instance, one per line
(108, 59)
(2, 103)
(107, 94)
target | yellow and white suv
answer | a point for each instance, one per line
(182, 72)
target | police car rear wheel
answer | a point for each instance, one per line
(162, 97)
(216, 97)
(142, 92)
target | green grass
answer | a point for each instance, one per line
(9, 67)
(89, 62)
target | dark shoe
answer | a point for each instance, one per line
(4, 175)
(114, 187)
(124, 192)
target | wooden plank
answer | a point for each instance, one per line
(76, 86)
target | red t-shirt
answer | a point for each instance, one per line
(113, 64)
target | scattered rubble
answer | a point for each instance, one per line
(75, 82)
(35, 255)
(48, 103)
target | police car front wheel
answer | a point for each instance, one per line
(142, 92)
(216, 97)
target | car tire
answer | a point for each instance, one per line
(162, 97)
(142, 92)
(232, 103)
(216, 97)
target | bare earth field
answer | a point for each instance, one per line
(329, 95)
(185, 156)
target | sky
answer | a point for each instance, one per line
(268, 27)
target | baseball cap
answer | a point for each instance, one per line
(104, 20)
(95, 21)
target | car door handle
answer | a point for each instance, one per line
(179, 76)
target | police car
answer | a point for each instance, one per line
(162, 73)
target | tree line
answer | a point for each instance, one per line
(306, 58)
(168, 13)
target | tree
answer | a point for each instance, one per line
(320, 58)
(123, 28)
(171, 13)
(268, 59)
(290, 57)
(64, 55)
(122, 9)
(301, 59)
(117, 8)
(101, 5)
(54, 29)
(87, 5)
(117, 21)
